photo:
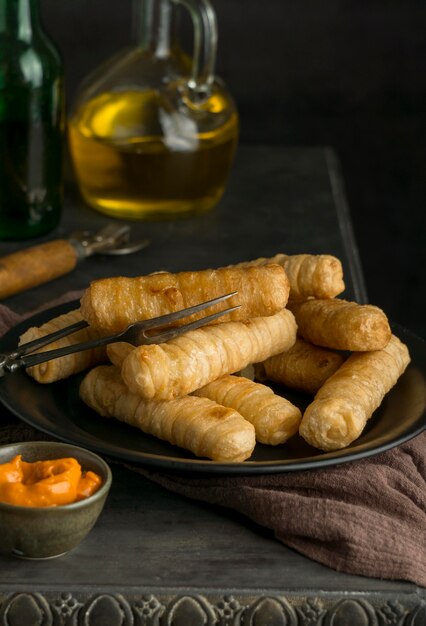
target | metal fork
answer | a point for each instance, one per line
(135, 334)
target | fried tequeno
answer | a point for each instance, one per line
(111, 304)
(196, 424)
(346, 401)
(64, 366)
(342, 325)
(304, 367)
(190, 361)
(117, 352)
(274, 418)
(310, 275)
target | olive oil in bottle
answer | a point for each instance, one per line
(153, 134)
(125, 173)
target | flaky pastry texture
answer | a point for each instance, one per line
(196, 424)
(310, 275)
(342, 325)
(112, 304)
(65, 366)
(345, 402)
(304, 367)
(186, 363)
(274, 418)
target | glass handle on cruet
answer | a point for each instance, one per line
(205, 44)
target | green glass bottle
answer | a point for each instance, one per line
(31, 123)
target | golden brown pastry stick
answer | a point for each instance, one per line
(197, 424)
(274, 418)
(188, 362)
(346, 401)
(304, 367)
(342, 325)
(65, 366)
(113, 303)
(310, 275)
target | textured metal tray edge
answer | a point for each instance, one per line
(153, 607)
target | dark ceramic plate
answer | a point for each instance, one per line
(57, 410)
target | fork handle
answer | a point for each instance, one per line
(36, 265)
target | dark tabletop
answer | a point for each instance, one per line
(157, 558)
(288, 200)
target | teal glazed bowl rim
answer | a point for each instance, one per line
(10, 450)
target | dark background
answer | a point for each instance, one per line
(341, 73)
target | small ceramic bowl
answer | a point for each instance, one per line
(48, 532)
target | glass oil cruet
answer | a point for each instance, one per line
(152, 134)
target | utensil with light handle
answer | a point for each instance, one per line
(40, 264)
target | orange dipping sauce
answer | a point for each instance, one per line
(45, 483)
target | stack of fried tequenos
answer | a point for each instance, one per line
(159, 379)
(183, 391)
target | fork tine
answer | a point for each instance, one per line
(175, 332)
(31, 346)
(36, 359)
(14, 361)
(36, 344)
(29, 360)
(177, 315)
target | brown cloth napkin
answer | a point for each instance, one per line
(366, 517)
